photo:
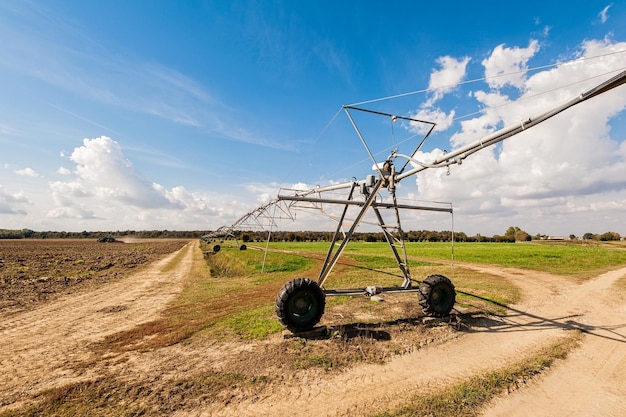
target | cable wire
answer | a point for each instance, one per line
(486, 78)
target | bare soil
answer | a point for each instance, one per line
(33, 272)
(48, 350)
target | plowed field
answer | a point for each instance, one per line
(36, 271)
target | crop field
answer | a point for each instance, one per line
(171, 327)
(34, 271)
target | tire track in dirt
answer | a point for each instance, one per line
(591, 381)
(551, 305)
(39, 347)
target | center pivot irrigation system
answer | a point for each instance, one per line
(300, 303)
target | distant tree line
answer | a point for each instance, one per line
(512, 234)
(410, 236)
(608, 236)
(30, 234)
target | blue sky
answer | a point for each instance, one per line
(120, 115)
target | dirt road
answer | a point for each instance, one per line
(591, 380)
(38, 349)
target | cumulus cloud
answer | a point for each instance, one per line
(10, 203)
(435, 115)
(103, 171)
(7, 209)
(104, 186)
(559, 166)
(101, 189)
(27, 172)
(263, 192)
(444, 80)
(507, 65)
(73, 212)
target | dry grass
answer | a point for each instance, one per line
(110, 396)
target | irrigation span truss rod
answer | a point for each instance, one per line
(457, 156)
(261, 217)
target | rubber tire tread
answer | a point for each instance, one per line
(282, 300)
(425, 290)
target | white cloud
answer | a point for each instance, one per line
(104, 191)
(444, 80)
(452, 72)
(73, 212)
(190, 201)
(553, 174)
(434, 115)
(10, 203)
(266, 192)
(27, 172)
(604, 14)
(490, 100)
(18, 197)
(510, 61)
(102, 168)
(7, 209)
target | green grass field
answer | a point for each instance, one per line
(578, 260)
(231, 293)
(366, 263)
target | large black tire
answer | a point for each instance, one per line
(437, 296)
(243, 247)
(216, 248)
(300, 304)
